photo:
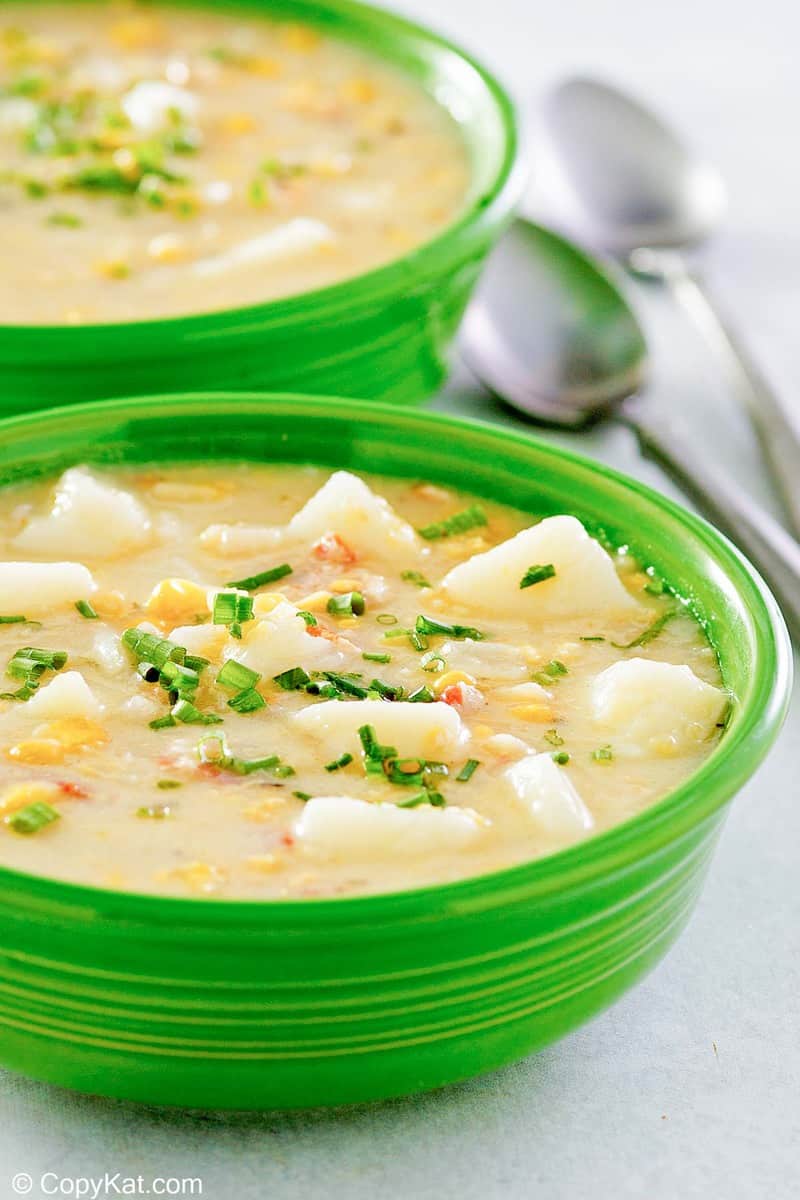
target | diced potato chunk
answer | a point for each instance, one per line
(205, 640)
(550, 797)
(585, 580)
(355, 829)
(89, 518)
(28, 588)
(280, 640)
(67, 695)
(655, 706)
(432, 731)
(346, 506)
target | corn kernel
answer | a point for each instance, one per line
(176, 601)
(266, 68)
(315, 601)
(449, 678)
(265, 864)
(167, 248)
(74, 733)
(300, 38)
(347, 622)
(240, 122)
(134, 33)
(112, 268)
(266, 602)
(482, 731)
(110, 604)
(264, 810)
(37, 752)
(359, 91)
(27, 793)
(533, 712)
(200, 876)
(342, 586)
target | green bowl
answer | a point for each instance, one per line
(384, 334)
(278, 1004)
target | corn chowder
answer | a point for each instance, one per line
(253, 681)
(157, 162)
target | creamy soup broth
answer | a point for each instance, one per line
(520, 728)
(157, 162)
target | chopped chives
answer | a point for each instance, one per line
(304, 796)
(650, 633)
(415, 577)
(435, 799)
(553, 738)
(434, 627)
(163, 722)
(323, 688)
(561, 758)
(148, 647)
(387, 691)
(248, 700)
(433, 662)
(460, 522)
(283, 771)
(237, 676)
(29, 664)
(552, 671)
(468, 770)
(591, 639)
(537, 574)
(196, 662)
(168, 784)
(252, 582)
(292, 679)
(378, 658)
(604, 754)
(342, 761)
(13, 620)
(232, 609)
(157, 812)
(186, 712)
(386, 619)
(308, 617)
(33, 817)
(344, 683)
(351, 604)
(421, 695)
(86, 610)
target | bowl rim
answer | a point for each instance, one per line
(696, 799)
(490, 206)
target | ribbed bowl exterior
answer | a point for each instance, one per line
(288, 1012)
(385, 334)
(228, 1004)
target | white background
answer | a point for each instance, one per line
(689, 1087)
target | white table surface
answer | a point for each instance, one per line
(690, 1086)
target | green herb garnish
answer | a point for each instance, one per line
(415, 577)
(33, 817)
(421, 695)
(378, 658)
(231, 609)
(537, 574)
(561, 758)
(650, 633)
(386, 619)
(605, 754)
(459, 522)
(13, 620)
(308, 617)
(547, 676)
(553, 738)
(351, 604)
(468, 770)
(168, 784)
(430, 626)
(292, 680)
(341, 761)
(252, 582)
(86, 610)
(237, 677)
(246, 701)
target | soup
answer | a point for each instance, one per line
(157, 162)
(263, 682)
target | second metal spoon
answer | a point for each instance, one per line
(549, 333)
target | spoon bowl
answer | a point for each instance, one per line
(637, 182)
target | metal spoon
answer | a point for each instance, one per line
(647, 200)
(549, 333)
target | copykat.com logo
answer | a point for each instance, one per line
(97, 1187)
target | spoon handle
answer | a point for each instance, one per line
(772, 550)
(778, 433)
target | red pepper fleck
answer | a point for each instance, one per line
(332, 548)
(73, 789)
(453, 694)
(287, 839)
